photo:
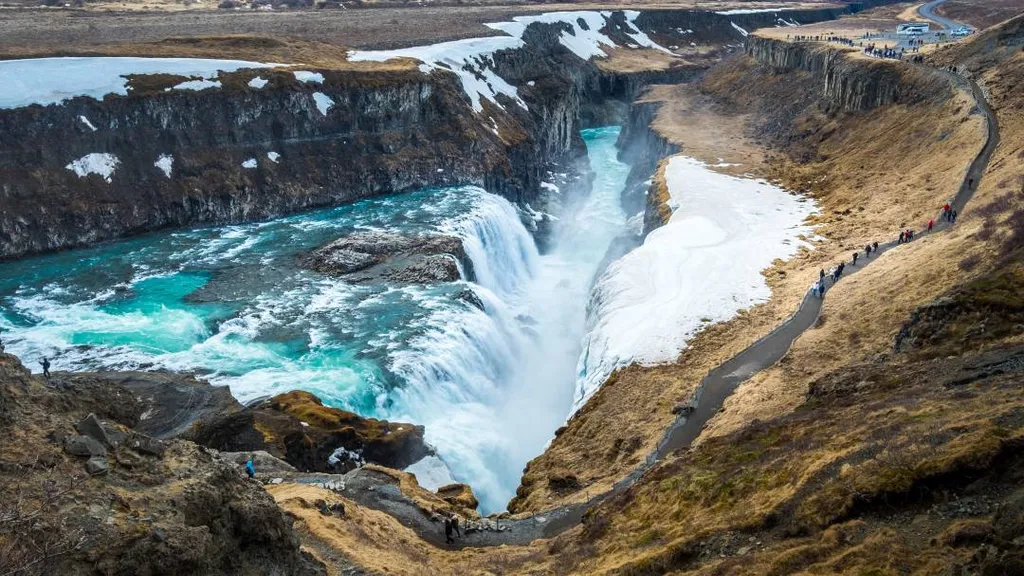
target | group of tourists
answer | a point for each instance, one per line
(818, 289)
(805, 38)
(883, 52)
(841, 40)
(949, 214)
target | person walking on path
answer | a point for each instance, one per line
(46, 367)
(448, 531)
(867, 250)
(952, 218)
(854, 258)
(821, 274)
(930, 224)
(250, 468)
(900, 239)
(874, 247)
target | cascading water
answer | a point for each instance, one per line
(230, 303)
(492, 387)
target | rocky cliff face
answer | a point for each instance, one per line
(236, 153)
(848, 84)
(643, 148)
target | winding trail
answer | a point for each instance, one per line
(709, 397)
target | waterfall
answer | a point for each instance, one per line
(503, 253)
(492, 385)
(459, 370)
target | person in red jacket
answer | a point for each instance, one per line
(930, 224)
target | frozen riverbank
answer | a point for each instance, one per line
(702, 267)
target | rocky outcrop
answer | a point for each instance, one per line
(459, 495)
(297, 428)
(84, 494)
(367, 256)
(160, 404)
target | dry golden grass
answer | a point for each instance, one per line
(981, 13)
(706, 132)
(631, 60)
(803, 473)
(150, 5)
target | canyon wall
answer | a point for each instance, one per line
(178, 157)
(848, 82)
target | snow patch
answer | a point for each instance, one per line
(323, 102)
(258, 82)
(341, 455)
(472, 59)
(250, 163)
(196, 85)
(431, 473)
(740, 29)
(165, 162)
(550, 187)
(48, 81)
(703, 265)
(99, 163)
(273, 156)
(308, 77)
(88, 124)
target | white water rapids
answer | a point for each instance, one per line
(492, 387)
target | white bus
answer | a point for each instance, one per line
(913, 28)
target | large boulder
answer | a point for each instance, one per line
(367, 256)
(297, 428)
(165, 404)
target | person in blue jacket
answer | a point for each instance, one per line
(250, 468)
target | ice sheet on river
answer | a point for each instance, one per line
(703, 266)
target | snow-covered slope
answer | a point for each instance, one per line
(472, 59)
(703, 266)
(53, 80)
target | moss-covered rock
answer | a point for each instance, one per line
(300, 430)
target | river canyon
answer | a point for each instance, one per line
(557, 272)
